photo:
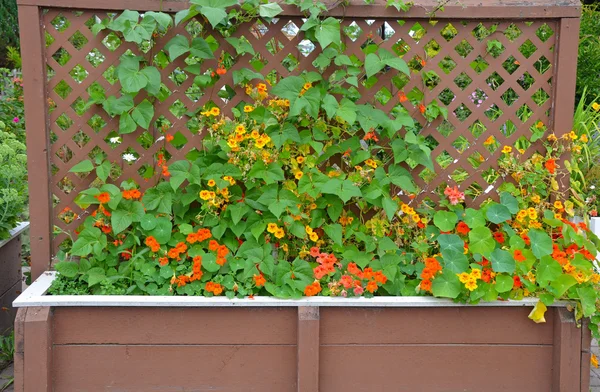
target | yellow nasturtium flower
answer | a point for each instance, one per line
(538, 312)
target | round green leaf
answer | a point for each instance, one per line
(148, 222)
(504, 283)
(541, 243)
(481, 241)
(446, 285)
(502, 261)
(445, 220)
(497, 213)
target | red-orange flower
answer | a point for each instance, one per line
(550, 165)
(525, 238)
(222, 251)
(380, 277)
(259, 280)
(462, 228)
(499, 237)
(169, 137)
(402, 97)
(152, 244)
(214, 288)
(422, 108)
(131, 194)
(425, 285)
(312, 289)
(103, 197)
(368, 273)
(372, 286)
(516, 282)
(191, 238)
(163, 261)
(221, 71)
(213, 245)
(518, 255)
(354, 270)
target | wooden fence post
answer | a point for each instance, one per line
(38, 139)
(308, 349)
(566, 361)
(37, 369)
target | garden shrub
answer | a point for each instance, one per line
(13, 181)
(13, 159)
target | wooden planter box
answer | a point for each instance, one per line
(143, 344)
(10, 276)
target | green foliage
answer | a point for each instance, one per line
(13, 159)
(588, 64)
(9, 33)
(7, 347)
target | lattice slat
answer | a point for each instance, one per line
(448, 47)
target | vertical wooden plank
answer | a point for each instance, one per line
(38, 163)
(586, 345)
(19, 363)
(566, 361)
(38, 354)
(308, 349)
(565, 80)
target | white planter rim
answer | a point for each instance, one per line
(35, 295)
(14, 233)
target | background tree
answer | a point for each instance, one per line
(9, 32)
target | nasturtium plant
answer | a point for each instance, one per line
(299, 191)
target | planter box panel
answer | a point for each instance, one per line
(231, 326)
(10, 264)
(436, 368)
(487, 325)
(174, 368)
(7, 312)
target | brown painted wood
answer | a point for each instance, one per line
(436, 368)
(466, 9)
(38, 164)
(19, 363)
(308, 349)
(10, 264)
(169, 368)
(10, 281)
(37, 373)
(564, 102)
(433, 325)
(232, 326)
(7, 312)
(566, 357)
(586, 343)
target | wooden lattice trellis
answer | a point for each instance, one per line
(496, 66)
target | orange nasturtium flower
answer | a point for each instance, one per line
(550, 165)
(259, 280)
(103, 197)
(489, 141)
(312, 289)
(518, 255)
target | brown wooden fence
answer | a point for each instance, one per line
(504, 72)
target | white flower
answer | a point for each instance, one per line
(115, 139)
(129, 157)
(593, 187)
